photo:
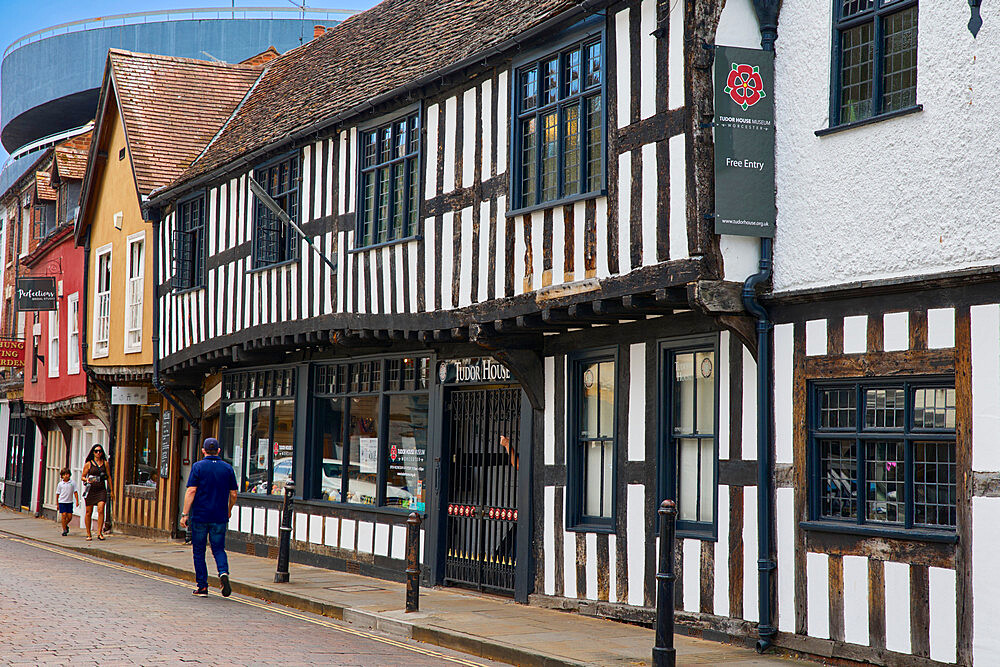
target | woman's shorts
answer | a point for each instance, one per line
(65, 508)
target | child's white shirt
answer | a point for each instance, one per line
(65, 490)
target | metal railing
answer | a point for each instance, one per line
(192, 13)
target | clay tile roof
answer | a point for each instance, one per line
(71, 163)
(369, 54)
(45, 190)
(172, 107)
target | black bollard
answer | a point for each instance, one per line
(285, 536)
(664, 654)
(413, 562)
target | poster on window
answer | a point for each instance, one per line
(262, 452)
(744, 142)
(406, 465)
(368, 455)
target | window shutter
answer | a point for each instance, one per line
(178, 239)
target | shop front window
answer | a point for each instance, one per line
(145, 430)
(591, 456)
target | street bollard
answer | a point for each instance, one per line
(285, 536)
(664, 654)
(413, 562)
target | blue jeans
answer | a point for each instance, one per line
(215, 534)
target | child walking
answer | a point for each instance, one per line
(67, 496)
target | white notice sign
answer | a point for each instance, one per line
(368, 455)
(129, 395)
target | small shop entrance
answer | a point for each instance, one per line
(481, 534)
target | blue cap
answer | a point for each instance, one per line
(211, 445)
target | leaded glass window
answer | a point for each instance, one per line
(274, 241)
(389, 181)
(189, 244)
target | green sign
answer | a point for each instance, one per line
(744, 141)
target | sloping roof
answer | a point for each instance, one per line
(71, 163)
(43, 186)
(372, 53)
(172, 107)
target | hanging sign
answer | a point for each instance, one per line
(165, 444)
(11, 354)
(473, 371)
(36, 293)
(129, 395)
(744, 142)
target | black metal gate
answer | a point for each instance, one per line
(482, 488)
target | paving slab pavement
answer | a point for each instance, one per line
(486, 626)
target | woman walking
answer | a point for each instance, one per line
(95, 476)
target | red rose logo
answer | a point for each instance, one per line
(745, 86)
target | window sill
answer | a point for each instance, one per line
(592, 528)
(385, 244)
(868, 121)
(276, 265)
(187, 290)
(557, 202)
(911, 534)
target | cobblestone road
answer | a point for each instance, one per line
(62, 608)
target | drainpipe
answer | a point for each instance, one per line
(154, 216)
(767, 15)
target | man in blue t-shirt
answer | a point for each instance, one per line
(208, 502)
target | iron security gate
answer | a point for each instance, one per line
(482, 488)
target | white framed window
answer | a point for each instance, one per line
(54, 342)
(73, 334)
(102, 300)
(135, 245)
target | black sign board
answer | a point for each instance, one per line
(36, 293)
(165, 444)
(473, 371)
(744, 142)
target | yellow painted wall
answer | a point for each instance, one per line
(114, 191)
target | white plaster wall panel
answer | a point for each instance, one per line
(465, 276)
(316, 529)
(749, 406)
(414, 248)
(381, 539)
(259, 519)
(855, 334)
(740, 256)
(623, 70)
(650, 224)
(234, 520)
(450, 123)
(940, 328)
(537, 222)
(750, 611)
(558, 246)
(301, 527)
(943, 614)
(647, 55)
(401, 305)
(985, 330)
(579, 214)
(549, 538)
(985, 582)
(399, 542)
(818, 595)
(347, 532)
(329, 178)
(446, 250)
(677, 224)
(675, 64)
(720, 604)
(305, 191)
(691, 572)
(549, 455)
(896, 332)
(519, 260)
(815, 338)
(246, 519)
(430, 155)
(487, 133)
(501, 241)
(485, 258)
(897, 607)
(502, 129)
(738, 25)
(856, 600)
(469, 136)
(624, 208)
(601, 216)
(901, 228)
(785, 538)
(373, 288)
(591, 566)
(724, 397)
(273, 519)
(783, 379)
(366, 537)
(352, 171)
(637, 402)
(612, 569)
(569, 565)
(635, 541)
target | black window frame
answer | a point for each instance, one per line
(667, 458)
(876, 15)
(576, 520)
(189, 247)
(587, 33)
(149, 466)
(338, 380)
(285, 240)
(861, 434)
(412, 157)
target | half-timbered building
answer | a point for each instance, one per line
(508, 310)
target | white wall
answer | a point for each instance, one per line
(903, 196)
